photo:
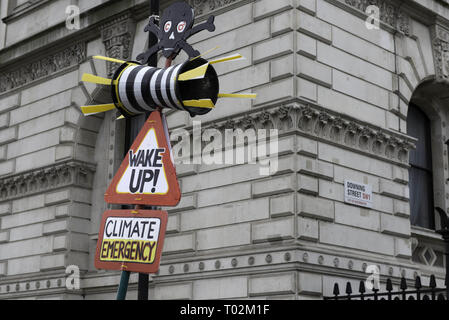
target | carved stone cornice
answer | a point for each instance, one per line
(71, 173)
(38, 69)
(440, 37)
(118, 37)
(205, 6)
(390, 14)
(314, 260)
(325, 125)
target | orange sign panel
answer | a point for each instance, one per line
(131, 240)
(147, 176)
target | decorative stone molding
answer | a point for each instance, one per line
(428, 256)
(390, 14)
(70, 56)
(427, 248)
(32, 287)
(118, 37)
(287, 258)
(204, 6)
(325, 125)
(46, 179)
(441, 52)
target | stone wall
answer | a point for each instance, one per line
(337, 92)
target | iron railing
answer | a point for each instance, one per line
(417, 293)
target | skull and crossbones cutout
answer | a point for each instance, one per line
(176, 27)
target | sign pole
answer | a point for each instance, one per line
(142, 287)
(135, 124)
(123, 286)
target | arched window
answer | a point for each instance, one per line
(421, 173)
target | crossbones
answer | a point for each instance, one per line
(176, 27)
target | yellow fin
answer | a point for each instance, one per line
(197, 73)
(121, 117)
(89, 110)
(95, 79)
(229, 58)
(108, 59)
(243, 96)
(203, 54)
(203, 103)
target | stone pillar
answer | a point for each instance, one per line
(118, 38)
(441, 52)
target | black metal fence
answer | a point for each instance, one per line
(419, 292)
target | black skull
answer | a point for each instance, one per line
(176, 26)
(175, 22)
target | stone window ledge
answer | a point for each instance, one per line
(425, 233)
(22, 9)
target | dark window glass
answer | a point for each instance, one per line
(421, 176)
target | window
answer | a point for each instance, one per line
(421, 173)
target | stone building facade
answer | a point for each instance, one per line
(338, 92)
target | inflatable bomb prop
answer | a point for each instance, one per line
(192, 86)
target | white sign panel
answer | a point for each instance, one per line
(145, 173)
(358, 194)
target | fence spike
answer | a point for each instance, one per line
(362, 289)
(348, 288)
(336, 290)
(389, 285)
(403, 287)
(432, 282)
(433, 285)
(418, 284)
(403, 284)
(418, 287)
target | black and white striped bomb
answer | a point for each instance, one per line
(192, 86)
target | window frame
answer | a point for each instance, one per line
(420, 168)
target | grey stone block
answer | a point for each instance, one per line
(349, 237)
(314, 207)
(308, 229)
(274, 230)
(182, 291)
(282, 205)
(274, 186)
(315, 28)
(224, 237)
(283, 283)
(266, 8)
(310, 283)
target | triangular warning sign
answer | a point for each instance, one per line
(147, 175)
